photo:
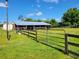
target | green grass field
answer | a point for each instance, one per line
(24, 47)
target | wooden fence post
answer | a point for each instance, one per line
(66, 44)
(28, 32)
(36, 36)
(46, 34)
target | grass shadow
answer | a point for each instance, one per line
(52, 47)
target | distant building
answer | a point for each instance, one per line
(10, 26)
(21, 25)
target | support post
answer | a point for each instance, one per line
(34, 28)
(7, 19)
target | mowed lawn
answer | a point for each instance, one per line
(24, 47)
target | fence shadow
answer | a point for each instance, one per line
(61, 50)
(56, 43)
(24, 33)
(51, 46)
(74, 44)
(75, 55)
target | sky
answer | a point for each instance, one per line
(36, 9)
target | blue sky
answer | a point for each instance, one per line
(36, 9)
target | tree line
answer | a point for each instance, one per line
(70, 18)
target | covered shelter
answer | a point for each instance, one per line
(31, 25)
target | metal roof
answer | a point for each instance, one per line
(31, 23)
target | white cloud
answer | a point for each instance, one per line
(2, 5)
(34, 14)
(30, 14)
(51, 1)
(39, 13)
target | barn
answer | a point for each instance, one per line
(31, 25)
(22, 25)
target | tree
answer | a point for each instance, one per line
(53, 22)
(28, 19)
(38, 20)
(71, 17)
(47, 21)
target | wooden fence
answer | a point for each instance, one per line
(66, 40)
(34, 33)
(66, 35)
